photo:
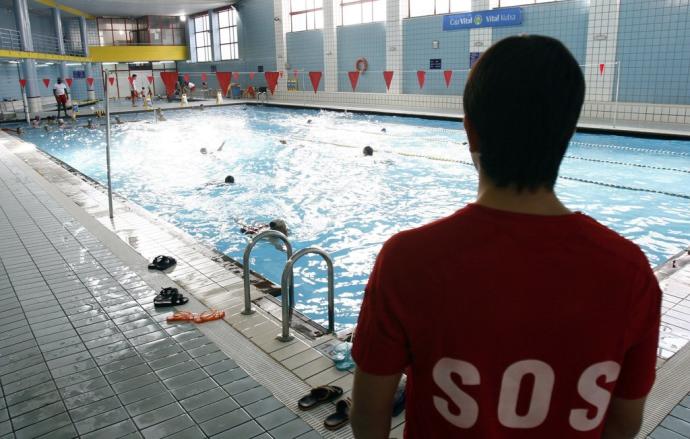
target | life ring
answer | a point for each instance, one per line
(361, 65)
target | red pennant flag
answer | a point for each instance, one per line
(272, 80)
(315, 80)
(203, 77)
(69, 82)
(224, 81)
(236, 76)
(150, 79)
(46, 81)
(354, 79)
(448, 75)
(388, 76)
(601, 68)
(186, 77)
(111, 80)
(169, 79)
(421, 78)
(295, 73)
(22, 82)
(251, 76)
(89, 81)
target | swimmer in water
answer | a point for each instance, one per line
(368, 151)
(118, 120)
(90, 125)
(61, 123)
(283, 142)
(308, 120)
(201, 107)
(161, 117)
(230, 179)
(383, 130)
(220, 148)
(203, 151)
(36, 121)
(278, 225)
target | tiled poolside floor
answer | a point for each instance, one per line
(83, 352)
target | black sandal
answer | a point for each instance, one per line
(162, 262)
(169, 297)
(341, 417)
(320, 395)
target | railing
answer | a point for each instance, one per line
(245, 262)
(9, 39)
(288, 301)
(45, 43)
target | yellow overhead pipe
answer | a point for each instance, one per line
(36, 55)
(70, 10)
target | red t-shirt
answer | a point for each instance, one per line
(511, 325)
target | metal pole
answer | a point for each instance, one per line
(107, 141)
(25, 101)
(618, 86)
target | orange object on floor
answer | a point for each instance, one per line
(206, 316)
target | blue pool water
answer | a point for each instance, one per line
(334, 198)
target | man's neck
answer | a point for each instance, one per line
(539, 202)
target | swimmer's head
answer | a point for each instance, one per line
(203, 151)
(117, 119)
(201, 107)
(61, 121)
(45, 127)
(383, 130)
(20, 130)
(279, 225)
(368, 151)
(308, 120)
(283, 141)
(230, 179)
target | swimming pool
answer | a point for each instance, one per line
(333, 197)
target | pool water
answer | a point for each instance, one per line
(349, 205)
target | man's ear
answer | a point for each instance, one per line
(471, 134)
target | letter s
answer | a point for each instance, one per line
(593, 394)
(469, 375)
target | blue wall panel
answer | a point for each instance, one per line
(564, 20)
(305, 53)
(418, 36)
(654, 51)
(362, 40)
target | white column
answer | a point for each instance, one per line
(281, 16)
(330, 46)
(602, 42)
(394, 44)
(480, 38)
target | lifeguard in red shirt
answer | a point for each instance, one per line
(513, 317)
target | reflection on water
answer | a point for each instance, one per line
(331, 196)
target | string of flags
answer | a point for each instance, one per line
(68, 81)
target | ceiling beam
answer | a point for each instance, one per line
(68, 9)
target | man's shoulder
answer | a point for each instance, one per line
(610, 242)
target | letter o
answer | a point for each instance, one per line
(541, 394)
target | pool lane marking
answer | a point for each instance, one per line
(630, 148)
(440, 159)
(637, 165)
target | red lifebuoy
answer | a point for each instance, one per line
(361, 65)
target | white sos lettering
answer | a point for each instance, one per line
(540, 400)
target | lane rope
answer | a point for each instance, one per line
(448, 160)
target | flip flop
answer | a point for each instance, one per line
(162, 262)
(320, 395)
(169, 298)
(208, 316)
(341, 417)
(182, 316)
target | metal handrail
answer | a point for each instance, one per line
(245, 263)
(9, 39)
(287, 298)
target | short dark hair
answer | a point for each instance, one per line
(523, 99)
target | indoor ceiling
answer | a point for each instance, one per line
(138, 8)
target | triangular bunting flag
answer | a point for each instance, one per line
(421, 78)
(448, 75)
(601, 68)
(388, 77)
(315, 80)
(354, 79)
(236, 76)
(186, 77)
(224, 81)
(295, 73)
(22, 82)
(111, 80)
(272, 80)
(251, 75)
(150, 79)
(46, 81)
(69, 82)
(203, 77)
(89, 81)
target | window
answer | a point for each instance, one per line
(362, 11)
(418, 8)
(508, 3)
(306, 15)
(227, 20)
(144, 30)
(202, 36)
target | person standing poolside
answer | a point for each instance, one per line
(133, 90)
(532, 321)
(61, 93)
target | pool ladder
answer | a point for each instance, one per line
(287, 287)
